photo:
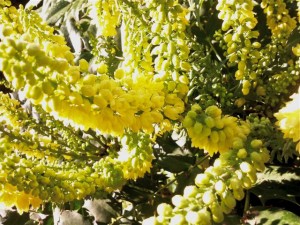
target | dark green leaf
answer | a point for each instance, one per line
(271, 216)
(49, 221)
(278, 183)
(13, 218)
(185, 179)
(294, 39)
(279, 174)
(213, 23)
(176, 163)
(76, 204)
(136, 194)
(76, 7)
(167, 144)
(271, 190)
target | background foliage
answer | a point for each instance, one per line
(249, 77)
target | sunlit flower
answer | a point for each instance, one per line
(289, 119)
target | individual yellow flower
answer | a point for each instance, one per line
(296, 50)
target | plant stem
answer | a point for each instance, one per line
(247, 202)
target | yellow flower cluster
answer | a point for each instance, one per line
(14, 120)
(27, 152)
(238, 23)
(216, 190)
(209, 130)
(279, 21)
(10, 196)
(135, 155)
(6, 108)
(283, 81)
(5, 3)
(110, 108)
(170, 44)
(289, 119)
(47, 75)
(107, 174)
(141, 44)
(135, 47)
(106, 16)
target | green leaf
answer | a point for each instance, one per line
(56, 11)
(270, 216)
(167, 143)
(76, 7)
(76, 204)
(294, 39)
(271, 190)
(135, 194)
(13, 218)
(279, 174)
(186, 179)
(176, 163)
(49, 221)
(74, 35)
(278, 183)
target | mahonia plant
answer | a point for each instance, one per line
(80, 128)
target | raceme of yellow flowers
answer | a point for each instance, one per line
(238, 23)
(213, 132)
(51, 79)
(37, 168)
(149, 49)
(216, 190)
(39, 64)
(59, 92)
(239, 27)
(278, 19)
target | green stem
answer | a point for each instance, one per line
(96, 138)
(247, 202)
(50, 152)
